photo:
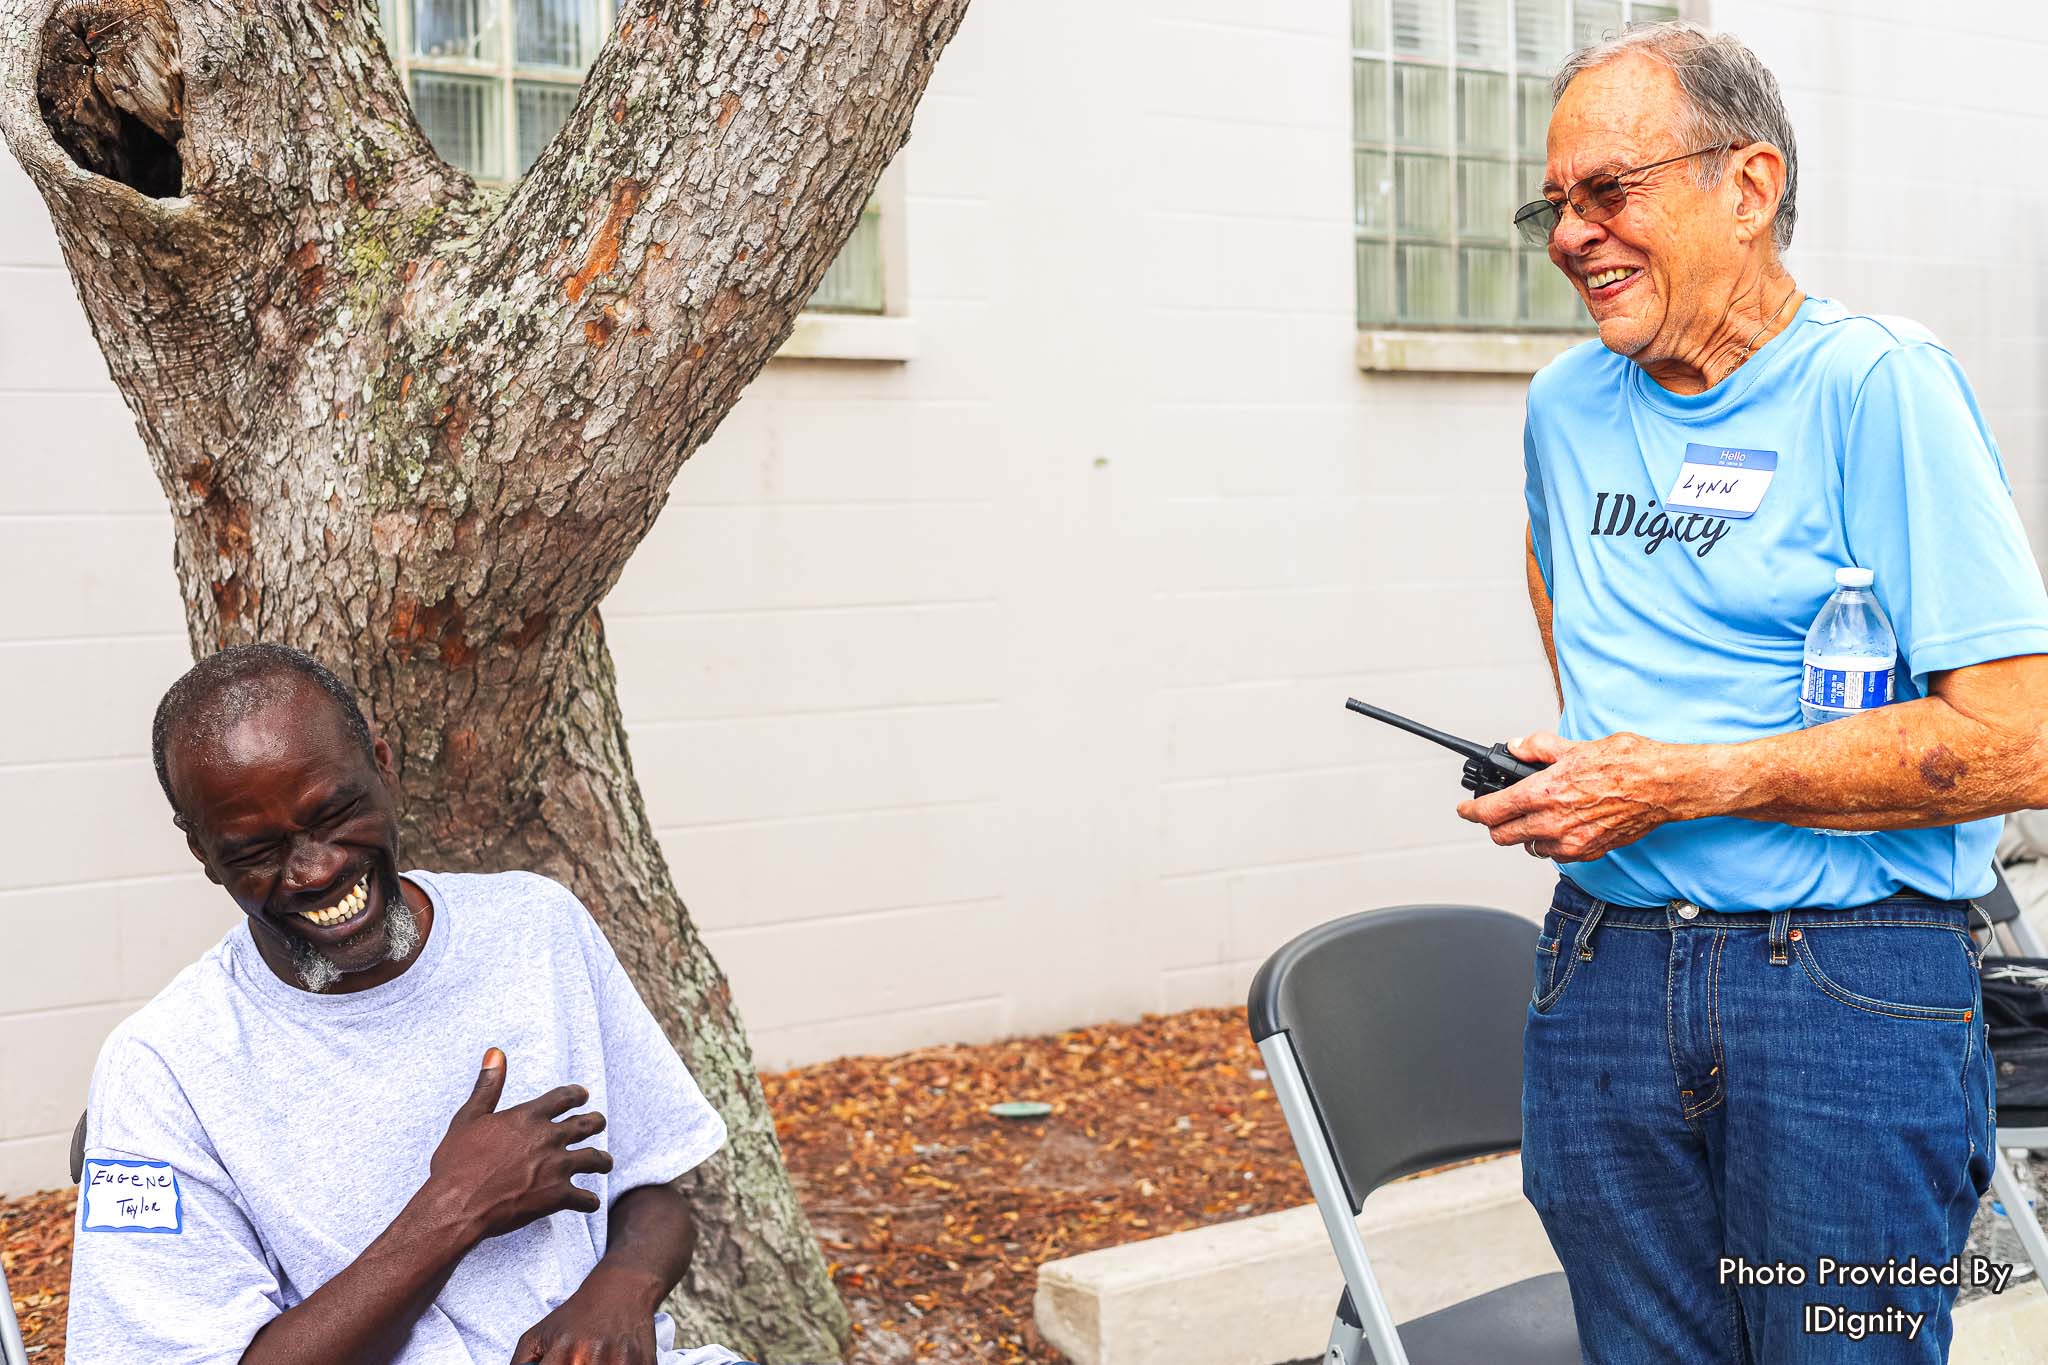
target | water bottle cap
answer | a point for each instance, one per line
(1854, 578)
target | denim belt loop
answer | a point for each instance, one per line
(1586, 930)
(1990, 926)
(1781, 921)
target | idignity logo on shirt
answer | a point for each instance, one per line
(1620, 517)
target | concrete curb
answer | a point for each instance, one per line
(2009, 1329)
(1262, 1290)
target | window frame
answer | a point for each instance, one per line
(890, 335)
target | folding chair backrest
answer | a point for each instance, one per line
(2003, 909)
(1999, 904)
(1407, 1023)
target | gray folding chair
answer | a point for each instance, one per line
(1394, 1042)
(2017, 1127)
(11, 1349)
(2002, 908)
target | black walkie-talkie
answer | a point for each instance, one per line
(1486, 770)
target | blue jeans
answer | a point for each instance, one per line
(1718, 1104)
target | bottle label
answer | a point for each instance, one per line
(1847, 689)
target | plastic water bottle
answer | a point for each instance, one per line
(1851, 657)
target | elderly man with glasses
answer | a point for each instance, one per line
(1758, 1099)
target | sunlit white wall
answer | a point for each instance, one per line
(1000, 689)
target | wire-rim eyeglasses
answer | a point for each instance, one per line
(1595, 198)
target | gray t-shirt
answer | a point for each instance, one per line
(248, 1139)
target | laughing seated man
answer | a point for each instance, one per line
(291, 1154)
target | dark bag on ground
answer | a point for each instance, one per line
(2016, 1009)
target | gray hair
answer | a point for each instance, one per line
(1730, 97)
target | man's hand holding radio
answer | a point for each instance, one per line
(1595, 796)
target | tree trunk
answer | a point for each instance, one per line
(416, 428)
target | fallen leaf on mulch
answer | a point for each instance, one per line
(934, 1214)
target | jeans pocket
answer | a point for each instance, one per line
(1555, 960)
(1546, 966)
(1905, 971)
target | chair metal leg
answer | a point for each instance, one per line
(1347, 1339)
(1290, 1087)
(2025, 939)
(2032, 1239)
(11, 1349)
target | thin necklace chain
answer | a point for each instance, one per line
(1751, 343)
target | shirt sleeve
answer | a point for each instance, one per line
(657, 1122)
(166, 1266)
(1929, 511)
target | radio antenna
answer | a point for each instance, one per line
(1415, 727)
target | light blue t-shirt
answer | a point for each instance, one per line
(247, 1139)
(1691, 628)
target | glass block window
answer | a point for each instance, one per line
(493, 80)
(1450, 100)
(853, 284)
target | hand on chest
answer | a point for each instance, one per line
(345, 1134)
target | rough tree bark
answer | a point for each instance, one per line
(416, 428)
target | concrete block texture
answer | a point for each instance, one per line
(1008, 678)
(56, 354)
(41, 1162)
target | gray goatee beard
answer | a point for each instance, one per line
(317, 972)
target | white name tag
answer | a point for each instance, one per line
(1722, 481)
(130, 1196)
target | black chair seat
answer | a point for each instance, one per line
(2013, 1116)
(1529, 1323)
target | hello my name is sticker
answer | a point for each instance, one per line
(130, 1196)
(1722, 481)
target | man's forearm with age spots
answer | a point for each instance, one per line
(1975, 748)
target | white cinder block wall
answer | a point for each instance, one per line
(1000, 690)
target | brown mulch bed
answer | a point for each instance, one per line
(35, 1249)
(934, 1214)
